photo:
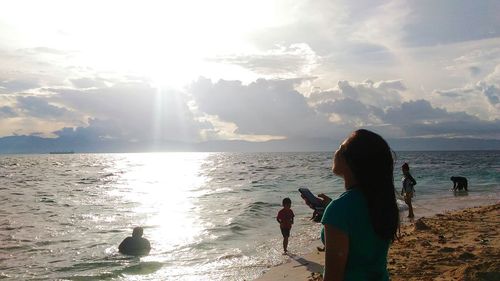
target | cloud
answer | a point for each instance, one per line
(480, 99)
(22, 70)
(355, 105)
(494, 76)
(381, 94)
(7, 112)
(132, 111)
(420, 111)
(320, 24)
(358, 104)
(262, 110)
(350, 112)
(419, 118)
(273, 107)
(39, 107)
(491, 92)
(44, 51)
(86, 82)
(264, 107)
(420, 42)
(474, 70)
(18, 85)
(450, 21)
(293, 61)
(96, 129)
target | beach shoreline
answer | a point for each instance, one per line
(461, 244)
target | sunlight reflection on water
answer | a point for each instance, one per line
(163, 184)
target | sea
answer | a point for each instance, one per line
(208, 216)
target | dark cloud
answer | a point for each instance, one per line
(351, 112)
(421, 111)
(449, 21)
(348, 105)
(133, 111)
(264, 107)
(381, 94)
(7, 112)
(492, 93)
(419, 118)
(39, 107)
(345, 106)
(96, 129)
(18, 85)
(391, 85)
(474, 70)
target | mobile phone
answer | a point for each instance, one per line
(313, 200)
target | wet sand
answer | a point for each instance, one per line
(458, 245)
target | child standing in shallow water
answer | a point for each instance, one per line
(285, 219)
(407, 191)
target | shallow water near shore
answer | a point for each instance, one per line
(208, 216)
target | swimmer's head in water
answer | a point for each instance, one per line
(137, 232)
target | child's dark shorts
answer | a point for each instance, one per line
(285, 232)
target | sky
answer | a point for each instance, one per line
(260, 70)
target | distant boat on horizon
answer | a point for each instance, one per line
(62, 152)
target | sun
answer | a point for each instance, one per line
(169, 42)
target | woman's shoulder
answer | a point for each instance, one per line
(347, 198)
(351, 194)
(341, 209)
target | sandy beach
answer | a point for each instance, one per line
(457, 245)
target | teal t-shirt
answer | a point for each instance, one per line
(367, 258)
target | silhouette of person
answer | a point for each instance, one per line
(285, 219)
(135, 245)
(459, 183)
(408, 190)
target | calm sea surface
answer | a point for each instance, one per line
(208, 216)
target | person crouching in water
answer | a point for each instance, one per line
(285, 219)
(407, 191)
(135, 245)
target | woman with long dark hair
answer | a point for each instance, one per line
(359, 226)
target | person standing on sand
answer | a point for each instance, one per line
(285, 219)
(408, 189)
(359, 226)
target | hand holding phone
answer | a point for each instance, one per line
(318, 204)
(311, 200)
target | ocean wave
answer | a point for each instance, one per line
(259, 208)
(14, 248)
(236, 227)
(84, 266)
(88, 180)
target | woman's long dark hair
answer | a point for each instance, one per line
(370, 159)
